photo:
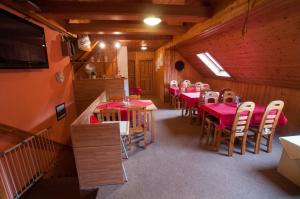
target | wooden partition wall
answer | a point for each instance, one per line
(86, 90)
(97, 149)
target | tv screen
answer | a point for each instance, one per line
(22, 43)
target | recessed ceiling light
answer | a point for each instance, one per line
(117, 33)
(152, 21)
(117, 44)
(144, 48)
(102, 45)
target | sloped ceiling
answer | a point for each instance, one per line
(267, 54)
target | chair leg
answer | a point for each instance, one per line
(182, 108)
(244, 144)
(218, 141)
(269, 142)
(257, 143)
(124, 148)
(145, 139)
(178, 102)
(124, 173)
(129, 142)
(215, 137)
(231, 144)
(208, 132)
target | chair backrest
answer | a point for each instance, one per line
(205, 87)
(221, 94)
(186, 83)
(133, 97)
(109, 114)
(137, 117)
(211, 97)
(229, 96)
(198, 86)
(270, 117)
(115, 98)
(242, 118)
(173, 83)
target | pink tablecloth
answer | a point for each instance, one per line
(175, 90)
(123, 108)
(226, 113)
(191, 99)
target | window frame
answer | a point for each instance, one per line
(209, 61)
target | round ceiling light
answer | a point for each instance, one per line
(152, 21)
(144, 48)
(102, 45)
(117, 45)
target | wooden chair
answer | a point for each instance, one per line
(173, 83)
(239, 127)
(210, 122)
(115, 98)
(186, 83)
(211, 97)
(221, 94)
(268, 124)
(229, 96)
(109, 114)
(138, 124)
(114, 115)
(198, 86)
(205, 87)
(133, 97)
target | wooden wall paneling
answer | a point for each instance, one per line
(263, 94)
(189, 72)
(146, 76)
(131, 73)
(267, 54)
(86, 90)
(139, 56)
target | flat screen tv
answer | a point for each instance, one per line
(22, 43)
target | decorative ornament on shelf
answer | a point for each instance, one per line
(179, 65)
(60, 77)
(90, 69)
(84, 43)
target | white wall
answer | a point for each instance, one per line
(122, 59)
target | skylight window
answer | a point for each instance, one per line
(212, 64)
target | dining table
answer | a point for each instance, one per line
(123, 106)
(189, 101)
(225, 113)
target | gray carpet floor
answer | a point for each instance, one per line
(176, 166)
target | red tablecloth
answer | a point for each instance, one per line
(94, 119)
(191, 99)
(123, 108)
(174, 91)
(135, 91)
(226, 113)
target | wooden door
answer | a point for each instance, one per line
(146, 76)
(131, 73)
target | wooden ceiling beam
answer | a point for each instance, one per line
(100, 28)
(131, 37)
(123, 11)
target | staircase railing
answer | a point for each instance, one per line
(22, 165)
